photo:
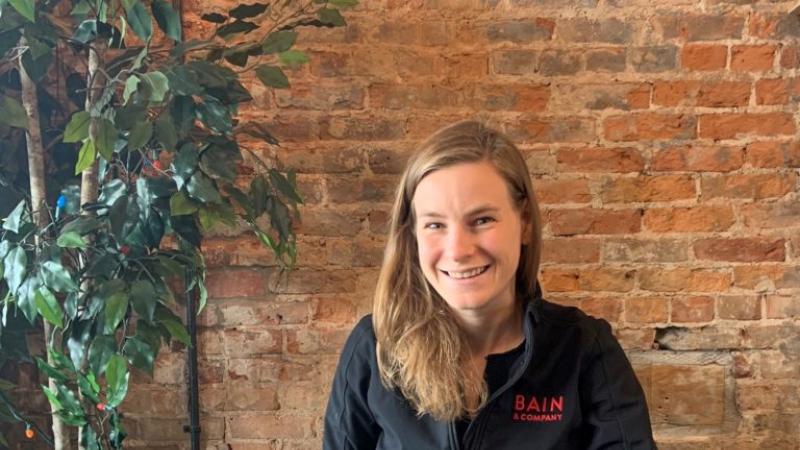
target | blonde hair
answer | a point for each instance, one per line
(420, 348)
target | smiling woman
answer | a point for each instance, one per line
(461, 350)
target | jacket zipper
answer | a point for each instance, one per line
(482, 414)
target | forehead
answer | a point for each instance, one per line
(462, 186)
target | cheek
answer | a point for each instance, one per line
(427, 249)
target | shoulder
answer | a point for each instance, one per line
(561, 316)
(360, 345)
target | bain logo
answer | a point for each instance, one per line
(530, 408)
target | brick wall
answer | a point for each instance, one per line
(663, 141)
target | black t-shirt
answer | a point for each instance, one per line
(496, 374)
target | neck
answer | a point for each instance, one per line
(492, 330)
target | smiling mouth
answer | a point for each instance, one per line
(472, 273)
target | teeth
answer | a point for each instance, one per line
(468, 273)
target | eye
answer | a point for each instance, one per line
(484, 220)
(433, 226)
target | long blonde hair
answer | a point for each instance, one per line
(420, 348)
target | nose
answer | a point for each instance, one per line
(460, 243)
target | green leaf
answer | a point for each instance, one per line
(167, 19)
(52, 397)
(89, 387)
(144, 299)
(279, 41)
(116, 307)
(129, 115)
(57, 278)
(71, 239)
(330, 16)
(180, 204)
(177, 330)
(86, 156)
(26, 295)
(139, 354)
(131, 86)
(78, 127)
(259, 191)
(25, 8)
(343, 3)
(247, 11)
(51, 371)
(117, 376)
(215, 115)
(18, 218)
(165, 132)
(159, 85)
(117, 216)
(203, 189)
(139, 19)
(106, 138)
(214, 17)
(293, 58)
(236, 27)
(12, 113)
(100, 352)
(272, 76)
(284, 186)
(49, 308)
(140, 135)
(185, 164)
(15, 264)
(221, 160)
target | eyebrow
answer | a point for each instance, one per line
(473, 212)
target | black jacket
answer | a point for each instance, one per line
(572, 388)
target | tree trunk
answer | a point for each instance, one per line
(39, 207)
(90, 181)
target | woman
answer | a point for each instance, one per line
(461, 351)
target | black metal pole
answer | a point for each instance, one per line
(191, 363)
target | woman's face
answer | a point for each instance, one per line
(469, 236)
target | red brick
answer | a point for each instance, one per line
(704, 57)
(559, 280)
(767, 25)
(773, 154)
(645, 250)
(239, 313)
(362, 128)
(594, 96)
(644, 188)
(520, 32)
(605, 60)
(649, 126)
(454, 64)
(315, 281)
(766, 277)
(698, 159)
(790, 57)
(646, 309)
(749, 58)
(739, 307)
(514, 62)
(611, 31)
(689, 219)
(696, 93)
(684, 279)
(594, 221)
(417, 96)
(688, 395)
(600, 160)
(750, 185)
(349, 189)
(770, 397)
(740, 249)
(244, 397)
(570, 250)
(777, 91)
(564, 129)
(320, 97)
(315, 341)
(562, 191)
(236, 283)
(782, 306)
(702, 28)
(731, 126)
(336, 310)
(241, 343)
(270, 426)
(692, 309)
(509, 97)
(609, 309)
(781, 214)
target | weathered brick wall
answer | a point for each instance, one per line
(663, 141)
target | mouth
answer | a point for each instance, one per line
(466, 274)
